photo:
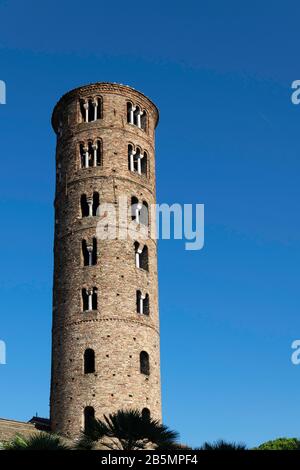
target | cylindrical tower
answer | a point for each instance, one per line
(105, 335)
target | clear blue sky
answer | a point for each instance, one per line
(228, 137)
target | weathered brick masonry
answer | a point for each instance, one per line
(115, 331)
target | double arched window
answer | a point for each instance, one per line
(142, 303)
(89, 299)
(141, 256)
(89, 252)
(89, 205)
(139, 211)
(136, 116)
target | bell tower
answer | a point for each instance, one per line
(105, 333)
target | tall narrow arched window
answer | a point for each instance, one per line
(144, 217)
(97, 153)
(82, 155)
(144, 164)
(137, 116)
(144, 363)
(137, 161)
(139, 302)
(96, 202)
(98, 111)
(85, 253)
(89, 416)
(146, 309)
(130, 158)
(91, 113)
(94, 253)
(146, 414)
(89, 361)
(84, 110)
(95, 299)
(134, 209)
(144, 121)
(85, 300)
(130, 117)
(84, 206)
(144, 264)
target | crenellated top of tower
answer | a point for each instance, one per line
(94, 89)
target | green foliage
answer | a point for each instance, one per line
(127, 430)
(283, 443)
(223, 445)
(37, 441)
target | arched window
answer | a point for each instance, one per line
(146, 305)
(97, 153)
(84, 206)
(146, 414)
(144, 120)
(144, 264)
(82, 154)
(85, 253)
(94, 299)
(91, 111)
(134, 209)
(98, 113)
(144, 214)
(137, 117)
(89, 361)
(130, 118)
(85, 300)
(94, 254)
(144, 363)
(144, 164)
(84, 106)
(96, 202)
(89, 416)
(139, 307)
(130, 158)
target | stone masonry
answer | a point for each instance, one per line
(115, 330)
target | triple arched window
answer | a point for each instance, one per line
(91, 109)
(90, 153)
(137, 160)
(136, 116)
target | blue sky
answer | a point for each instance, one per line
(228, 137)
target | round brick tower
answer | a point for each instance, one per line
(105, 334)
